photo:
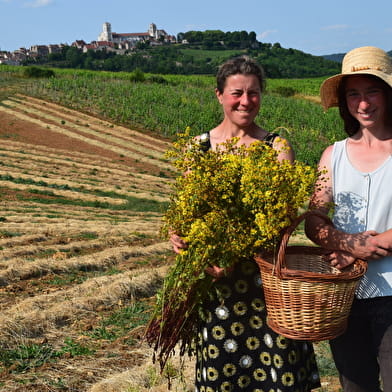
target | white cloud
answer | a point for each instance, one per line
(335, 27)
(266, 33)
(38, 3)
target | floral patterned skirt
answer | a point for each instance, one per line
(237, 351)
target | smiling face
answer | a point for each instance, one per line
(366, 100)
(240, 99)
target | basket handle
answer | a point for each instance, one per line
(286, 236)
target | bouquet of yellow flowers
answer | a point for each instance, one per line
(227, 204)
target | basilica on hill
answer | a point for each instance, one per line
(153, 35)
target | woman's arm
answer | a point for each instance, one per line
(364, 245)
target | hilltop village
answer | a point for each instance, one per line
(119, 43)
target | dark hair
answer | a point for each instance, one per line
(243, 65)
(351, 125)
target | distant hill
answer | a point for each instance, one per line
(338, 57)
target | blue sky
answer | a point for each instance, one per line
(307, 25)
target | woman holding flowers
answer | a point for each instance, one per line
(357, 186)
(235, 349)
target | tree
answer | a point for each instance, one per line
(74, 57)
(252, 37)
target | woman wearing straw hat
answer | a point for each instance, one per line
(357, 182)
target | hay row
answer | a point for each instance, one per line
(25, 239)
(18, 269)
(30, 245)
(59, 231)
(55, 155)
(132, 144)
(36, 316)
(58, 129)
(64, 193)
(108, 132)
(157, 143)
(83, 186)
(34, 247)
(90, 180)
(77, 219)
(70, 225)
(147, 378)
(84, 131)
(93, 177)
(53, 158)
(25, 211)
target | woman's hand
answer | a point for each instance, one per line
(178, 243)
(339, 259)
(368, 245)
(217, 272)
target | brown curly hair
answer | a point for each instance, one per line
(243, 65)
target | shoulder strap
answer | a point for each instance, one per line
(269, 138)
(204, 141)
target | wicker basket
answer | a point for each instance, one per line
(307, 298)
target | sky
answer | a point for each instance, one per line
(318, 28)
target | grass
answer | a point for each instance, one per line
(131, 203)
(31, 356)
(26, 357)
(80, 276)
(121, 322)
(325, 360)
(9, 234)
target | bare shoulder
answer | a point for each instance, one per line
(325, 159)
(284, 148)
(280, 142)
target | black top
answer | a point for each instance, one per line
(205, 142)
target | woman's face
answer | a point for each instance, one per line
(240, 99)
(366, 100)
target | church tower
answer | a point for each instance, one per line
(106, 34)
(152, 31)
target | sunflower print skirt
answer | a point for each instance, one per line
(237, 351)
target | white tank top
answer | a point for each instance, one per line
(363, 201)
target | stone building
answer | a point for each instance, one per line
(153, 35)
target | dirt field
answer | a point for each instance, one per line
(73, 257)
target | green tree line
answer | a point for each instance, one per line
(218, 40)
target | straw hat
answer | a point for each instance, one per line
(366, 60)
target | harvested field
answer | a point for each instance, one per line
(80, 253)
(81, 204)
